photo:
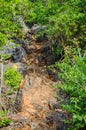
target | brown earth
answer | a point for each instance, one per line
(38, 95)
(36, 98)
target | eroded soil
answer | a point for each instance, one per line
(38, 95)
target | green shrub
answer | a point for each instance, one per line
(3, 113)
(6, 56)
(3, 120)
(65, 20)
(9, 11)
(73, 83)
(12, 77)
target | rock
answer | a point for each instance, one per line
(26, 44)
(18, 102)
(57, 118)
(22, 68)
(61, 127)
(15, 51)
(17, 40)
(52, 75)
(18, 54)
(36, 28)
(9, 48)
(30, 48)
(1, 51)
(24, 27)
(29, 37)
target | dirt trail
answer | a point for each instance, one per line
(38, 93)
(36, 100)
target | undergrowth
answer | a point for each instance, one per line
(72, 74)
(3, 120)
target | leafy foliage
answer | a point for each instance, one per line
(6, 57)
(12, 77)
(3, 120)
(9, 12)
(65, 20)
(73, 77)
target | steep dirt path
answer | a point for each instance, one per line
(36, 98)
(38, 95)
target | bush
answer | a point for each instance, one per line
(9, 11)
(3, 120)
(5, 56)
(65, 20)
(12, 77)
(73, 77)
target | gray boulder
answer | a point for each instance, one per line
(15, 51)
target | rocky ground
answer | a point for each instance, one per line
(36, 106)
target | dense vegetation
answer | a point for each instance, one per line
(65, 22)
(73, 85)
